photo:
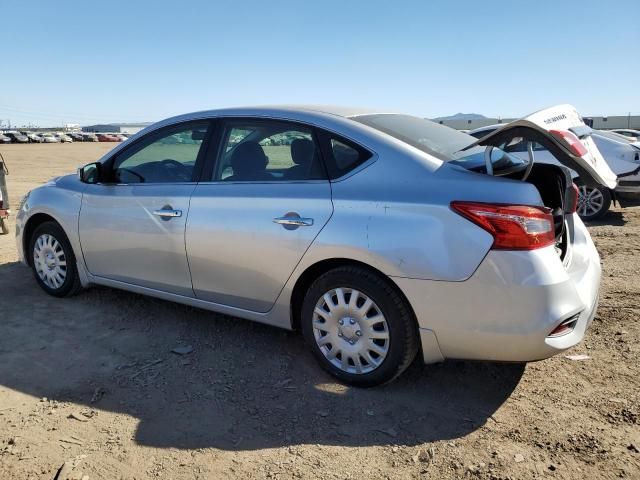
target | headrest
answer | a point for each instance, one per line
(302, 151)
(248, 157)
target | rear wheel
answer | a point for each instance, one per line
(52, 261)
(593, 202)
(359, 327)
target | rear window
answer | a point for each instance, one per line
(443, 142)
(438, 140)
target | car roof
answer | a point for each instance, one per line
(339, 119)
(340, 111)
(324, 116)
(285, 111)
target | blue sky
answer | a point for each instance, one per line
(89, 62)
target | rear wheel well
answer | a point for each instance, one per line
(34, 222)
(314, 271)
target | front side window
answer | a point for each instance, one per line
(266, 151)
(168, 156)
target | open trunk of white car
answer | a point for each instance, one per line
(561, 131)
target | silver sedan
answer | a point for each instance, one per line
(380, 236)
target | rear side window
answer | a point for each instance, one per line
(259, 150)
(341, 155)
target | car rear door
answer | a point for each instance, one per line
(266, 200)
(560, 130)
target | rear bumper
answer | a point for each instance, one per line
(630, 187)
(507, 308)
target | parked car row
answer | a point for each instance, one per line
(14, 136)
(111, 137)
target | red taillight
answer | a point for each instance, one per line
(565, 327)
(573, 199)
(575, 145)
(514, 227)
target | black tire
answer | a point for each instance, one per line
(402, 327)
(588, 214)
(71, 284)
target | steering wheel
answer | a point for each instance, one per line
(131, 172)
(171, 163)
(181, 172)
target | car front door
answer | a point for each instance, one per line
(267, 199)
(132, 223)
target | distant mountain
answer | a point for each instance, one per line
(462, 116)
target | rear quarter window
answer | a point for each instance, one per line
(341, 155)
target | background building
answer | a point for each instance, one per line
(116, 127)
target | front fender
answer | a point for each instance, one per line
(61, 200)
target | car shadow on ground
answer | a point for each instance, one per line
(616, 218)
(611, 218)
(244, 385)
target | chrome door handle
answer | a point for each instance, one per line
(168, 213)
(294, 221)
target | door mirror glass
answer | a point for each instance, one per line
(90, 173)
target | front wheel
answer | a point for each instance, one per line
(52, 261)
(359, 327)
(593, 202)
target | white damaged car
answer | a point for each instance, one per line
(620, 154)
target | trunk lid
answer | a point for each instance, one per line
(561, 130)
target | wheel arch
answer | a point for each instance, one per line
(312, 272)
(34, 222)
(613, 197)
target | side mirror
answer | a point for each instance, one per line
(90, 173)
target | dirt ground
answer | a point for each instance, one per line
(91, 383)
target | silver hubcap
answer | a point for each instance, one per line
(590, 201)
(350, 330)
(49, 261)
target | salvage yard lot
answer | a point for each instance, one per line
(92, 381)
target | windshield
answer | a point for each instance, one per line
(612, 136)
